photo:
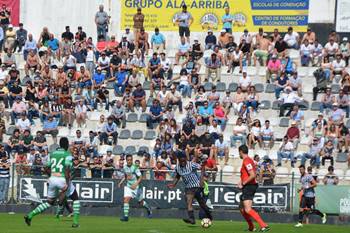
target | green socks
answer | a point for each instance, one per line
(126, 209)
(39, 209)
(76, 211)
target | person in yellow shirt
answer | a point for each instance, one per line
(10, 38)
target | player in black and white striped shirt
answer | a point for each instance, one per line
(193, 186)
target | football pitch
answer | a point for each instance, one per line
(93, 224)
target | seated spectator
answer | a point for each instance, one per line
(252, 100)
(254, 134)
(13, 143)
(18, 108)
(197, 50)
(221, 149)
(306, 53)
(338, 67)
(96, 167)
(200, 97)
(81, 113)
(192, 148)
(109, 134)
(344, 48)
(336, 115)
(234, 59)
(183, 50)
(343, 138)
(79, 142)
(138, 98)
(332, 134)
(183, 83)
(154, 66)
(227, 101)
(282, 81)
(327, 152)
(26, 141)
(206, 112)
(238, 100)
(286, 150)
(331, 178)
(214, 130)
(223, 39)
(108, 164)
(21, 162)
(261, 52)
(200, 128)
(266, 171)
(39, 141)
(220, 115)
(210, 40)
(330, 49)
(343, 101)
(206, 144)
(4, 93)
(244, 82)
(296, 83)
(120, 80)
(317, 54)
(273, 69)
(155, 114)
(321, 82)
(292, 39)
(118, 112)
(68, 113)
(160, 171)
(50, 127)
(195, 80)
(213, 96)
(141, 41)
(174, 98)
(102, 97)
(297, 115)
(213, 66)
(267, 134)
(37, 167)
(314, 153)
(158, 41)
(239, 133)
(280, 47)
(293, 134)
(166, 67)
(288, 100)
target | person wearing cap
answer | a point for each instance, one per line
(331, 48)
(234, 56)
(314, 153)
(101, 21)
(336, 116)
(125, 46)
(98, 78)
(197, 50)
(184, 48)
(184, 20)
(292, 39)
(4, 94)
(287, 100)
(227, 20)
(138, 20)
(210, 40)
(293, 134)
(21, 37)
(129, 36)
(245, 81)
(10, 38)
(158, 41)
(223, 39)
(102, 97)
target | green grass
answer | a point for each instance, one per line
(91, 224)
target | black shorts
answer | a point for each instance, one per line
(248, 191)
(307, 202)
(184, 31)
(197, 192)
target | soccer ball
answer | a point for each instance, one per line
(206, 223)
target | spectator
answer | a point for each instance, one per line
(227, 20)
(221, 149)
(174, 98)
(336, 115)
(80, 35)
(280, 47)
(102, 97)
(141, 42)
(101, 21)
(166, 68)
(184, 20)
(338, 67)
(223, 39)
(252, 100)
(50, 127)
(220, 115)
(254, 134)
(138, 19)
(327, 152)
(282, 81)
(314, 153)
(21, 37)
(234, 58)
(10, 38)
(39, 141)
(238, 100)
(18, 108)
(197, 50)
(96, 167)
(121, 80)
(26, 140)
(213, 96)
(288, 100)
(297, 115)
(155, 115)
(108, 164)
(317, 53)
(306, 53)
(8, 59)
(214, 130)
(154, 66)
(37, 168)
(296, 83)
(345, 50)
(184, 50)
(4, 94)
(293, 134)
(213, 68)
(286, 150)
(245, 82)
(239, 133)
(266, 171)
(160, 171)
(206, 112)
(210, 40)
(158, 41)
(261, 53)
(109, 134)
(330, 49)
(5, 165)
(267, 134)
(331, 178)
(244, 113)
(139, 98)
(21, 162)
(81, 113)
(273, 69)
(118, 112)
(292, 39)
(23, 123)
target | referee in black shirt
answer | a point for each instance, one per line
(193, 186)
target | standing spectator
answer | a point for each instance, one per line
(314, 153)
(227, 20)
(184, 20)
(155, 114)
(330, 178)
(285, 150)
(138, 19)
(158, 41)
(21, 37)
(4, 176)
(102, 21)
(5, 14)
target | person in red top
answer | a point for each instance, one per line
(210, 166)
(248, 185)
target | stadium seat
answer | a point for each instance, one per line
(273, 154)
(335, 88)
(262, 71)
(321, 173)
(265, 104)
(341, 158)
(118, 150)
(150, 135)
(132, 117)
(146, 85)
(347, 175)
(227, 170)
(208, 86)
(284, 122)
(53, 147)
(124, 134)
(251, 70)
(63, 132)
(270, 88)
(143, 149)
(232, 87)
(221, 86)
(339, 173)
(130, 150)
(149, 102)
(304, 105)
(276, 105)
(95, 116)
(102, 150)
(137, 134)
(10, 130)
(315, 106)
(143, 117)
(259, 87)
(282, 172)
(274, 121)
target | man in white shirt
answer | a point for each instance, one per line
(286, 150)
(288, 100)
(183, 50)
(244, 82)
(221, 149)
(174, 98)
(3, 72)
(292, 39)
(23, 123)
(104, 62)
(266, 134)
(239, 133)
(338, 66)
(331, 48)
(166, 67)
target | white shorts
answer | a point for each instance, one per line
(135, 194)
(56, 184)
